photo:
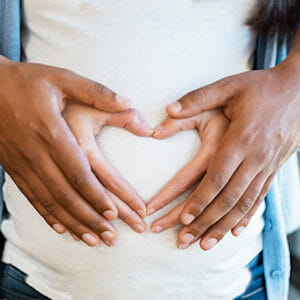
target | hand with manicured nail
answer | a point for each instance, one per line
(211, 126)
(86, 122)
(40, 153)
(264, 110)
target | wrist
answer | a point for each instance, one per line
(3, 59)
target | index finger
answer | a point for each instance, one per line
(226, 161)
(70, 159)
(90, 92)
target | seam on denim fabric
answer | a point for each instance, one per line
(253, 293)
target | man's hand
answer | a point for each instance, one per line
(264, 110)
(86, 122)
(40, 153)
(211, 126)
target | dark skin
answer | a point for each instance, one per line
(42, 156)
(264, 131)
(40, 153)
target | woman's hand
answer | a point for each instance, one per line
(40, 153)
(86, 122)
(264, 110)
(211, 126)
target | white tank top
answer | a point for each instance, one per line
(152, 52)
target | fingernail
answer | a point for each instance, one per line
(187, 238)
(59, 228)
(187, 219)
(157, 229)
(158, 130)
(208, 244)
(139, 228)
(151, 211)
(239, 230)
(175, 107)
(89, 239)
(141, 213)
(110, 214)
(183, 246)
(122, 100)
(75, 237)
(108, 237)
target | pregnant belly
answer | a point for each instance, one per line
(147, 163)
(142, 258)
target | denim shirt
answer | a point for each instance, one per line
(283, 200)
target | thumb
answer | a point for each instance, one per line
(131, 121)
(170, 127)
(206, 98)
(90, 92)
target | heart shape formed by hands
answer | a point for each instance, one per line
(149, 164)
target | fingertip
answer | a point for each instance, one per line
(187, 218)
(139, 227)
(108, 237)
(110, 214)
(125, 102)
(158, 131)
(150, 211)
(208, 243)
(90, 239)
(142, 213)
(59, 228)
(174, 108)
(236, 231)
(147, 131)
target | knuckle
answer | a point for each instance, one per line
(195, 96)
(221, 231)
(46, 215)
(63, 198)
(245, 205)
(198, 229)
(76, 227)
(79, 179)
(97, 224)
(229, 201)
(49, 206)
(248, 136)
(96, 88)
(196, 207)
(263, 156)
(219, 181)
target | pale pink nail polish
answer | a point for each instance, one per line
(208, 244)
(110, 214)
(187, 219)
(59, 228)
(157, 229)
(89, 239)
(151, 211)
(183, 246)
(239, 230)
(175, 107)
(187, 238)
(122, 100)
(139, 228)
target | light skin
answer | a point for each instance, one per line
(264, 131)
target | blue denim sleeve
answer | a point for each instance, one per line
(10, 29)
